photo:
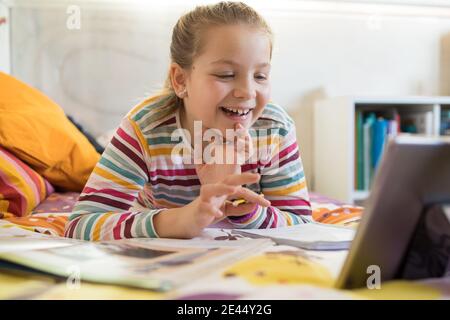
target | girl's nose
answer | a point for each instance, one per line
(245, 90)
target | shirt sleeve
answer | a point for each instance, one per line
(108, 207)
(283, 183)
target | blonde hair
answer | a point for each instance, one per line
(187, 41)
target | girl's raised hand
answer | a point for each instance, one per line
(244, 144)
(242, 150)
(207, 208)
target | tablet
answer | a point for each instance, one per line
(414, 175)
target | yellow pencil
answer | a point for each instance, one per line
(237, 202)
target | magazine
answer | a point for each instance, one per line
(157, 264)
(17, 239)
(309, 236)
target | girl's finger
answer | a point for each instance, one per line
(244, 143)
(251, 196)
(241, 132)
(216, 190)
(240, 179)
(208, 208)
(241, 210)
(199, 166)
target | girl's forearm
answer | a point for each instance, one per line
(174, 223)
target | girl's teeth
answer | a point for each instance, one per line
(238, 111)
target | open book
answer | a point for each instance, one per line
(310, 236)
(158, 264)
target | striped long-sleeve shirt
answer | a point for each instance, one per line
(139, 175)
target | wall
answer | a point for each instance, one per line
(322, 49)
(5, 62)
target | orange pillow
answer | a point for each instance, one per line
(38, 132)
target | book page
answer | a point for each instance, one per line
(159, 264)
(309, 232)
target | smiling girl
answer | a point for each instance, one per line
(219, 79)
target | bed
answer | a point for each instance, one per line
(275, 274)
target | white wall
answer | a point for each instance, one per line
(5, 62)
(322, 49)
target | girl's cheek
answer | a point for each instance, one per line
(264, 97)
(220, 88)
(212, 90)
(267, 92)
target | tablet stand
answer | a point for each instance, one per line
(429, 251)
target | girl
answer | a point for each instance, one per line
(219, 80)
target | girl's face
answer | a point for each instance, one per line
(229, 81)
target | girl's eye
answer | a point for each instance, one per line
(229, 76)
(261, 77)
(225, 76)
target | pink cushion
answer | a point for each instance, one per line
(21, 188)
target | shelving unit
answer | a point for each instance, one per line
(335, 143)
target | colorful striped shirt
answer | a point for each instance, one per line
(139, 175)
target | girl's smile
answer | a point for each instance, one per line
(237, 113)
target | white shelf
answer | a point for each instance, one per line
(360, 195)
(334, 138)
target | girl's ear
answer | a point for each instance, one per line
(178, 79)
